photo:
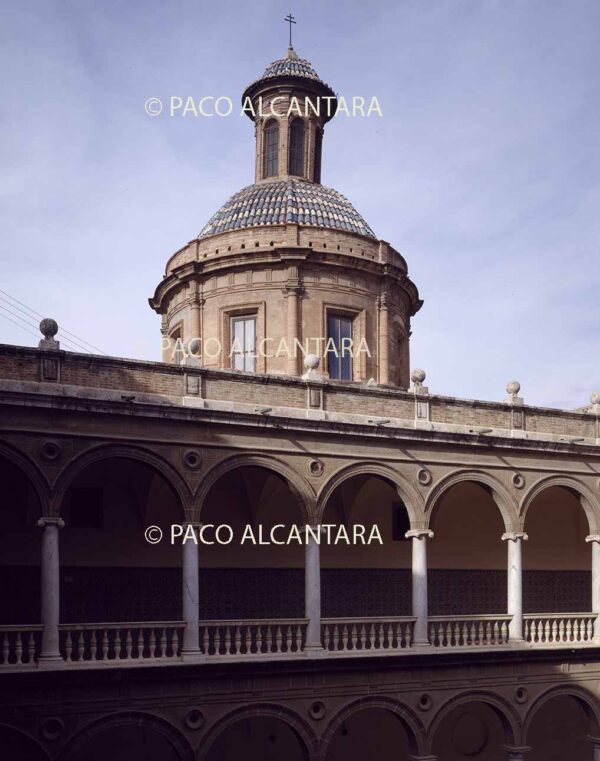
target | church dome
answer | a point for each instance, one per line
(287, 201)
(289, 67)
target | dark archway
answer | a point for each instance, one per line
(128, 736)
(467, 557)
(238, 579)
(378, 729)
(109, 571)
(261, 737)
(556, 557)
(559, 723)
(477, 728)
(361, 579)
(20, 509)
(18, 746)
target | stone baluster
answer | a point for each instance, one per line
(515, 583)
(50, 590)
(419, 583)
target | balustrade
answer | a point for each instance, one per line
(367, 634)
(467, 631)
(20, 645)
(121, 641)
(556, 628)
(253, 638)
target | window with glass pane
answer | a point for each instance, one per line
(297, 147)
(339, 347)
(271, 149)
(243, 344)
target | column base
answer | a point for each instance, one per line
(420, 643)
(50, 661)
(314, 651)
(193, 656)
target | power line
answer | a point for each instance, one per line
(75, 337)
(30, 325)
(18, 326)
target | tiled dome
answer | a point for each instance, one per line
(290, 66)
(295, 201)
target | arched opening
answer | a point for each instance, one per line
(559, 729)
(109, 571)
(467, 558)
(237, 579)
(271, 149)
(296, 151)
(126, 737)
(17, 746)
(361, 579)
(556, 557)
(20, 509)
(370, 733)
(472, 731)
(261, 737)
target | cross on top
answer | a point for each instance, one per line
(291, 20)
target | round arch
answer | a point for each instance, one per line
(299, 487)
(301, 727)
(500, 495)
(585, 699)
(588, 501)
(502, 708)
(73, 749)
(413, 502)
(32, 472)
(118, 451)
(411, 723)
(40, 751)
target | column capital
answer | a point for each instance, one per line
(50, 520)
(317, 528)
(419, 533)
(593, 538)
(513, 536)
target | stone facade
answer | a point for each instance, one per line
(471, 632)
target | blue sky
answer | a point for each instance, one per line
(484, 170)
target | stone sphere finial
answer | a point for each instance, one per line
(513, 387)
(194, 347)
(312, 361)
(595, 397)
(48, 328)
(418, 376)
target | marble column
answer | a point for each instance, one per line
(312, 594)
(50, 589)
(514, 542)
(190, 598)
(384, 337)
(419, 583)
(596, 747)
(594, 539)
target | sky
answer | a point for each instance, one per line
(483, 171)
